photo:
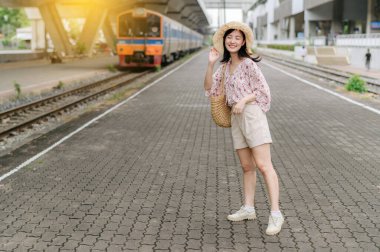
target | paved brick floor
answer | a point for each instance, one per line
(157, 174)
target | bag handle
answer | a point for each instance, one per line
(223, 76)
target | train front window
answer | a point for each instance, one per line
(148, 26)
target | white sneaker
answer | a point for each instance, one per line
(242, 214)
(274, 224)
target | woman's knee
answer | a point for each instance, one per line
(264, 167)
(247, 167)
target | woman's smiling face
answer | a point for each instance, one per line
(234, 41)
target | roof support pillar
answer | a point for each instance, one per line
(109, 34)
(54, 27)
(292, 31)
(369, 17)
(94, 22)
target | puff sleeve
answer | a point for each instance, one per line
(259, 86)
(216, 82)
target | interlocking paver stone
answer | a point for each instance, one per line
(156, 174)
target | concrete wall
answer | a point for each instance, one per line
(271, 28)
(258, 12)
(297, 7)
(268, 31)
(20, 55)
(323, 12)
(263, 20)
(357, 59)
(355, 10)
(38, 28)
(283, 10)
(313, 3)
(355, 55)
(38, 35)
(257, 18)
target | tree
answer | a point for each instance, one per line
(11, 19)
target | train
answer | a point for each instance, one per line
(147, 38)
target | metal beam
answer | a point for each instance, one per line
(54, 27)
(241, 4)
(94, 22)
(166, 7)
(21, 3)
(109, 34)
(37, 3)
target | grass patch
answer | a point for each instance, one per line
(280, 47)
(356, 84)
(112, 68)
(117, 96)
(17, 87)
(60, 85)
(157, 68)
(80, 48)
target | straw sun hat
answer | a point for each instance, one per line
(217, 39)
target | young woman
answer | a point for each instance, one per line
(248, 95)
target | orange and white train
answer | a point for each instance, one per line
(147, 39)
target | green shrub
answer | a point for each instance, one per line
(356, 84)
(6, 42)
(22, 45)
(281, 47)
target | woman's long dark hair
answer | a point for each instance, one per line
(242, 53)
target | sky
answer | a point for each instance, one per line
(231, 15)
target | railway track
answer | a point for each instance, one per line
(17, 119)
(339, 77)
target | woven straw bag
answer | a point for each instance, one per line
(220, 112)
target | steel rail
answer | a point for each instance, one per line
(323, 72)
(35, 104)
(7, 131)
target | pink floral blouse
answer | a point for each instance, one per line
(246, 79)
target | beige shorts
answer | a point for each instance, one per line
(250, 128)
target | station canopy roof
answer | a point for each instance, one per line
(230, 4)
(192, 13)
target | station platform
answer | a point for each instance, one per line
(40, 75)
(7, 56)
(370, 74)
(156, 174)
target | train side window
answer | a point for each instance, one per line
(166, 30)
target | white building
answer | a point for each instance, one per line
(316, 22)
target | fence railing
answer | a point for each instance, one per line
(14, 45)
(282, 42)
(318, 41)
(354, 40)
(361, 40)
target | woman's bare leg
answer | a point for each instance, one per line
(249, 175)
(263, 161)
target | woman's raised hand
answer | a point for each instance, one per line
(213, 56)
